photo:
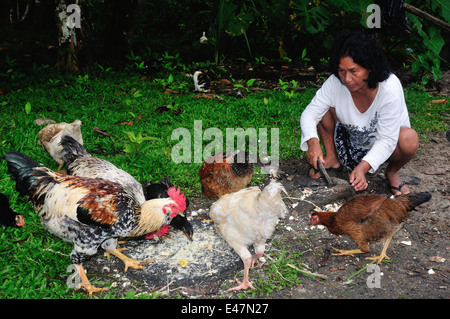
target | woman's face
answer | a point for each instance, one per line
(352, 75)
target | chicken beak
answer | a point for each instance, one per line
(188, 234)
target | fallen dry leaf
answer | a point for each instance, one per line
(125, 123)
(336, 269)
(101, 132)
(169, 91)
(435, 171)
(209, 96)
(440, 101)
(437, 259)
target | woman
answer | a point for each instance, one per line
(360, 116)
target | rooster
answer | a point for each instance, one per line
(159, 190)
(248, 217)
(368, 218)
(225, 173)
(50, 138)
(8, 217)
(90, 212)
(80, 163)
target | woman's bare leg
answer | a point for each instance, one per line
(325, 128)
(407, 145)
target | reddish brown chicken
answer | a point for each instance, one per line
(368, 218)
(225, 173)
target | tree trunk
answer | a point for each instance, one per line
(70, 34)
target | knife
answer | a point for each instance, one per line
(324, 173)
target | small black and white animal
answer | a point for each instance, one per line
(202, 82)
(8, 217)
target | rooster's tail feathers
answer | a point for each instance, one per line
(418, 198)
(20, 166)
(72, 149)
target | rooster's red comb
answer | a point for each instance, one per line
(178, 197)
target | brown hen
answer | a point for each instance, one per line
(225, 173)
(368, 218)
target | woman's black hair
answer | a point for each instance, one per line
(365, 51)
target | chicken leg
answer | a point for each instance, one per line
(136, 264)
(85, 282)
(259, 252)
(383, 252)
(352, 252)
(245, 284)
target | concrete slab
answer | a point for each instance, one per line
(183, 262)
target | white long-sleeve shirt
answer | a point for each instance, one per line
(376, 129)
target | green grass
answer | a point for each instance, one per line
(33, 262)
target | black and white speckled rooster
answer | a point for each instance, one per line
(90, 212)
(80, 163)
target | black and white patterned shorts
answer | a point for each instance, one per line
(349, 155)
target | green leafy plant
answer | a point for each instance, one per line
(83, 79)
(138, 62)
(310, 17)
(234, 21)
(303, 56)
(172, 62)
(428, 61)
(103, 69)
(247, 85)
(284, 86)
(55, 82)
(261, 60)
(28, 108)
(137, 142)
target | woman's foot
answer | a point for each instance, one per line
(334, 166)
(396, 184)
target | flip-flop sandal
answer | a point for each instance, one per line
(398, 188)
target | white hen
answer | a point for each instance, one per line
(248, 217)
(50, 138)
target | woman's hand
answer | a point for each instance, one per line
(358, 176)
(314, 152)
